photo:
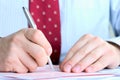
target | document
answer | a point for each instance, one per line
(45, 73)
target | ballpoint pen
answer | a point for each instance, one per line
(33, 25)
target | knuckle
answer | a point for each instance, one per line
(97, 39)
(37, 34)
(34, 35)
(15, 39)
(88, 36)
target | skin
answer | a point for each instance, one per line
(91, 54)
(27, 49)
(24, 51)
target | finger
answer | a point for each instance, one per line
(27, 60)
(19, 67)
(92, 57)
(83, 52)
(99, 64)
(37, 52)
(11, 63)
(105, 60)
(38, 37)
(83, 40)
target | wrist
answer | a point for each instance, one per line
(117, 50)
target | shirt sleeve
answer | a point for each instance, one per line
(115, 20)
(115, 16)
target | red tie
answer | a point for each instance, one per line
(47, 17)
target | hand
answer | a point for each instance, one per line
(91, 54)
(24, 51)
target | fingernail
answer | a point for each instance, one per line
(76, 68)
(67, 68)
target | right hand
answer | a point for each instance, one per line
(24, 51)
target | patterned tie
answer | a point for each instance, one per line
(47, 17)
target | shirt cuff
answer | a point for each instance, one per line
(115, 40)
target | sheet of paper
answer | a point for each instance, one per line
(45, 73)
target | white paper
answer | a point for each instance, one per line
(45, 73)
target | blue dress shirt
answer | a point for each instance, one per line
(78, 17)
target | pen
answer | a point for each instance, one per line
(33, 25)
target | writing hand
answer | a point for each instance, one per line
(24, 51)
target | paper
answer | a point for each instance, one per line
(45, 73)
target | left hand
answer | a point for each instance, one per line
(91, 54)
